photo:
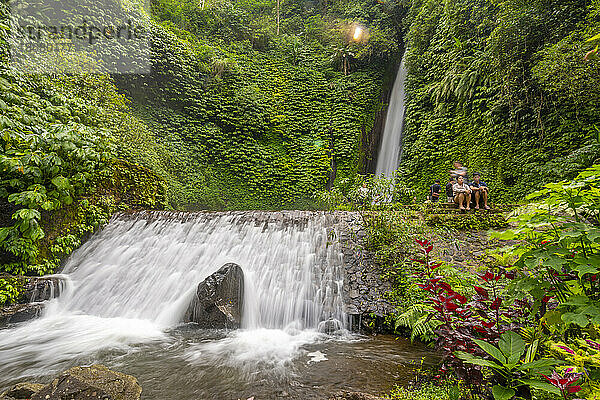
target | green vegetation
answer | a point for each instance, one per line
(525, 321)
(503, 87)
(447, 391)
(239, 112)
(260, 119)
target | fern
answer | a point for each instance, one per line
(418, 318)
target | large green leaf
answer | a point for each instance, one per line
(471, 359)
(575, 318)
(577, 300)
(594, 235)
(61, 182)
(491, 350)
(583, 269)
(27, 214)
(512, 345)
(502, 393)
(555, 262)
(543, 365)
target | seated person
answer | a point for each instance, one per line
(462, 193)
(459, 170)
(436, 188)
(449, 193)
(480, 191)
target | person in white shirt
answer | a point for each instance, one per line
(462, 194)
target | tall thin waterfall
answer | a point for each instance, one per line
(135, 278)
(391, 145)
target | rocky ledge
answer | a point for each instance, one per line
(35, 291)
(19, 313)
(344, 395)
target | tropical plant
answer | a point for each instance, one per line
(559, 255)
(565, 382)
(514, 366)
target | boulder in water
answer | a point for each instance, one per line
(91, 383)
(219, 300)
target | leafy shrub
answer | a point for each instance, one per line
(467, 329)
(558, 264)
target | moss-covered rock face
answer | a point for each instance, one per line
(21, 391)
(501, 86)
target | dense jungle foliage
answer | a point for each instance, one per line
(521, 320)
(261, 114)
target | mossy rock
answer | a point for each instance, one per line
(91, 383)
(22, 390)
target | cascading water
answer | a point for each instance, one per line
(391, 144)
(133, 281)
(127, 288)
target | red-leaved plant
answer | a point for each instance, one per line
(485, 316)
(565, 382)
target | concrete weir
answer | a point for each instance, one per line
(363, 288)
(346, 285)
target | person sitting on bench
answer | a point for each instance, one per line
(480, 191)
(449, 193)
(436, 188)
(462, 193)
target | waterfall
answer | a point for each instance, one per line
(132, 281)
(391, 144)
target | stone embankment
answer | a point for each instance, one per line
(364, 288)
